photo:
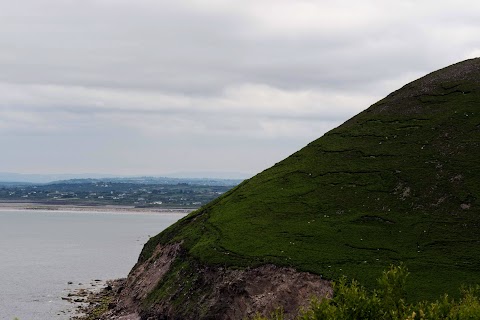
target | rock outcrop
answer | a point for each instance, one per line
(219, 293)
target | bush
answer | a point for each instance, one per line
(352, 301)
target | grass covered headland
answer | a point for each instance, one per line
(398, 182)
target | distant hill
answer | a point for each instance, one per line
(46, 178)
(228, 175)
(156, 181)
(195, 178)
(397, 182)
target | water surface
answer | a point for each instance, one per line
(41, 251)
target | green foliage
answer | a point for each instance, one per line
(277, 314)
(98, 308)
(392, 289)
(468, 307)
(387, 302)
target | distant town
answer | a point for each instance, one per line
(142, 192)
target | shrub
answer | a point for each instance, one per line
(351, 301)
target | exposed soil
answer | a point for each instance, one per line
(224, 294)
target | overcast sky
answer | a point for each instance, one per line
(144, 87)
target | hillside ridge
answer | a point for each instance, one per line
(397, 182)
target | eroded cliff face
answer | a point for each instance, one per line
(167, 286)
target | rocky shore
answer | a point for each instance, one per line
(92, 304)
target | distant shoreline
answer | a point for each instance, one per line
(33, 206)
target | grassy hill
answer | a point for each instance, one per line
(398, 182)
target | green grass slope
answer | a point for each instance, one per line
(398, 182)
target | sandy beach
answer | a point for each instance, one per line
(9, 206)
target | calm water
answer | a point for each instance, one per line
(41, 251)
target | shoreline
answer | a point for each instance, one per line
(94, 303)
(71, 251)
(34, 206)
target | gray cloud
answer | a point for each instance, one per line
(225, 80)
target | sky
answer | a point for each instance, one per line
(151, 87)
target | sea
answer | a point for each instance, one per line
(44, 255)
